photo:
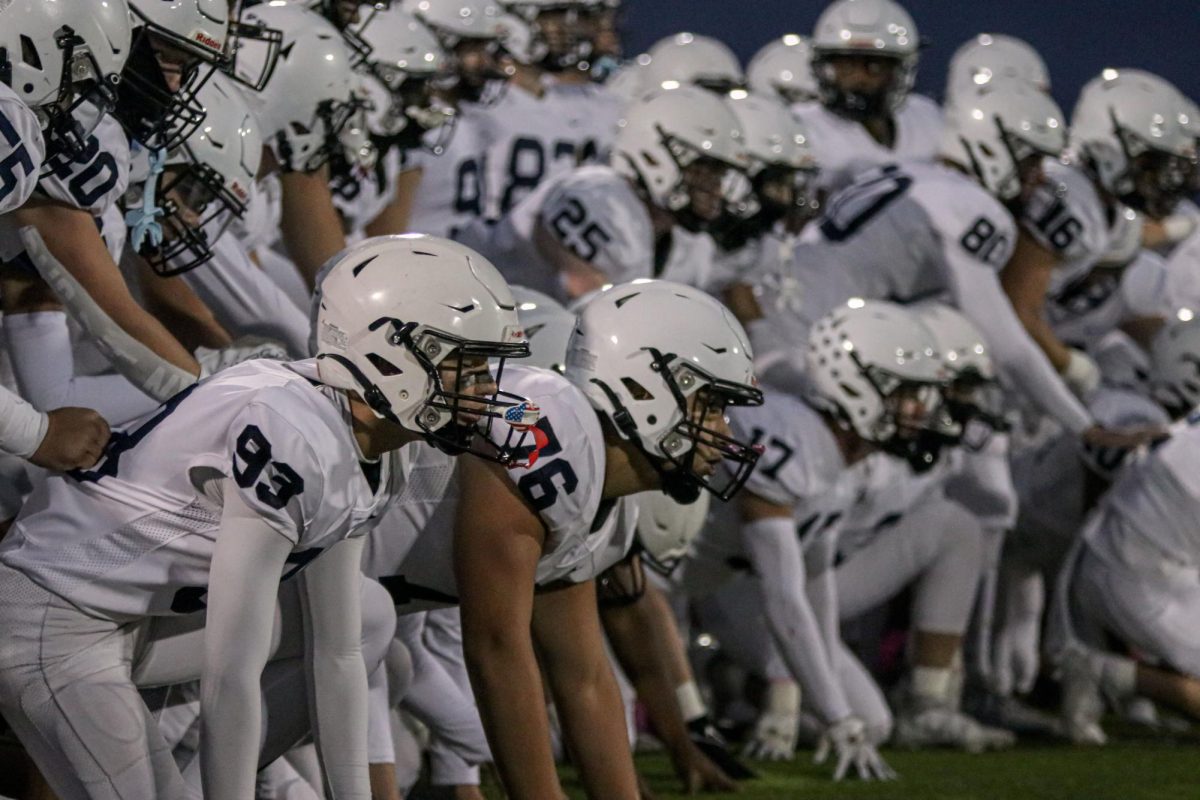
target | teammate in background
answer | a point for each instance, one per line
(640, 217)
(1130, 157)
(876, 379)
(1133, 575)
(447, 188)
(688, 59)
(865, 55)
(994, 56)
(641, 408)
(784, 68)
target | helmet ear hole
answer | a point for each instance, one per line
(385, 367)
(29, 53)
(636, 390)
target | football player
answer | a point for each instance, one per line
(1133, 574)
(641, 408)
(865, 55)
(253, 473)
(605, 224)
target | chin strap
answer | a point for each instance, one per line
(143, 221)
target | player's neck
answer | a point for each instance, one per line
(853, 447)
(528, 79)
(882, 130)
(626, 469)
(376, 436)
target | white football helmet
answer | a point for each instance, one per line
(688, 59)
(548, 327)
(880, 30)
(782, 168)
(558, 35)
(999, 130)
(156, 106)
(310, 96)
(1128, 128)
(55, 56)
(391, 309)
(1175, 367)
(658, 360)
(875, 367)
(454, 20)
(666, 528)
(405, 59)
(991, 56)
(668, 135)
(784, 68)
(208, 179)
(973, 404)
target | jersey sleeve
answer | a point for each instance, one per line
(783, 475)
(276, 467)
(22, 151)
(1064, 215)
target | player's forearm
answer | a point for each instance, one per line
(231, 721)
(312, 230)
(22, 427)
(174, 303)
(70, 236)
(640, 641)
(508, 689)
(340, 696)
(593, 721)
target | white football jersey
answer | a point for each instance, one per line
(888, 488)
(801, 466)
(1157, 498)
(411, 551)
(1183, 273)
(1051, 478)
(22, 150)
(901, 230)
(95, 179)
(532, 139)
(592, 211)
(843, 148)
(361, 201)
(135, 536)
(451, 191)
(1067, 216)
(1105, 298)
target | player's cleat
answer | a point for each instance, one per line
(1082, 704)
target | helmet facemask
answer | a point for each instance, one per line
(779, 194)
(147, 107)
(1155, 180)
(411, 109)
(452, 413)
(65, 130)
(895, 76)
(561, 35)
(693, 454)
(707, 188)
(197, 207)
(910, 416)
(970, 414)
(269, 39)
(302, 149)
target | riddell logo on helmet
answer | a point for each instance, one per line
(203, 38)
(239, 192)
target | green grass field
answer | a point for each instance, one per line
(1137, 767)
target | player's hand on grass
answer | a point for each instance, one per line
(75, 438)
(699, 774)
(774, 737)
(848, 741)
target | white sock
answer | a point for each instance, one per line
(691, 704)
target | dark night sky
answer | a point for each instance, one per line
(1076, 37)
